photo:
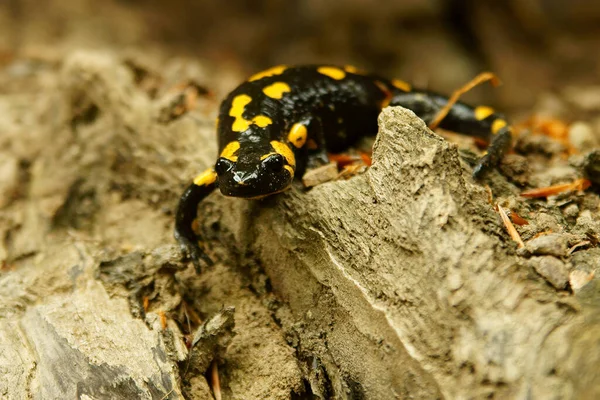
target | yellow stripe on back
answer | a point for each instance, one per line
(238, 104)
(276, 90)
(237, 109)
(482, 112)
(278, 70)
(262, 121)
(398, 84)
(332, 72)
(240, 124)
(353, 70)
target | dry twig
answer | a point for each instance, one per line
(512, 231)
(479, 79)
(577, 185)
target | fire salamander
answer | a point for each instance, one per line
(278, 122)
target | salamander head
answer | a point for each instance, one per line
(255, 174)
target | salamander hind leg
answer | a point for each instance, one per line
(485, 123)
(501, 143)
(482, 122)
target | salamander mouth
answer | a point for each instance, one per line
(254, 183)
(267, 195)
(255, 186)
(249, 192)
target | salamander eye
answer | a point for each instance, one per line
(274, 162)
(222, 166)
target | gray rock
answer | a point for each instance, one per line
(552, 269)
(553, 244)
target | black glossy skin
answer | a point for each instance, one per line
(336, 111)
(355, 98)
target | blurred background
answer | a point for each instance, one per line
(534, 46)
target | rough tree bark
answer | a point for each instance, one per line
(397, 283)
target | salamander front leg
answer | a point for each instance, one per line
(485, 123)
(187, 211)
(308, 141)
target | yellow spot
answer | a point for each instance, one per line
(276, 90)
(398, 84)
(353, 70)
(206, 178)
(332, 72)
(217, 122)
(285, 151)
(230, 150)
(262, 121)
(482, 112)
(297, 135)
(240, 125)
(278, 70)
(497, 125)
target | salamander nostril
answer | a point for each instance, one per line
(274, 162)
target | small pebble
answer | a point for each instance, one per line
(320, 175)
(516, 167)
(571, 211)
(582, 137)
(553, 270)
(547, 222)
(579, 278)
(552, 244)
